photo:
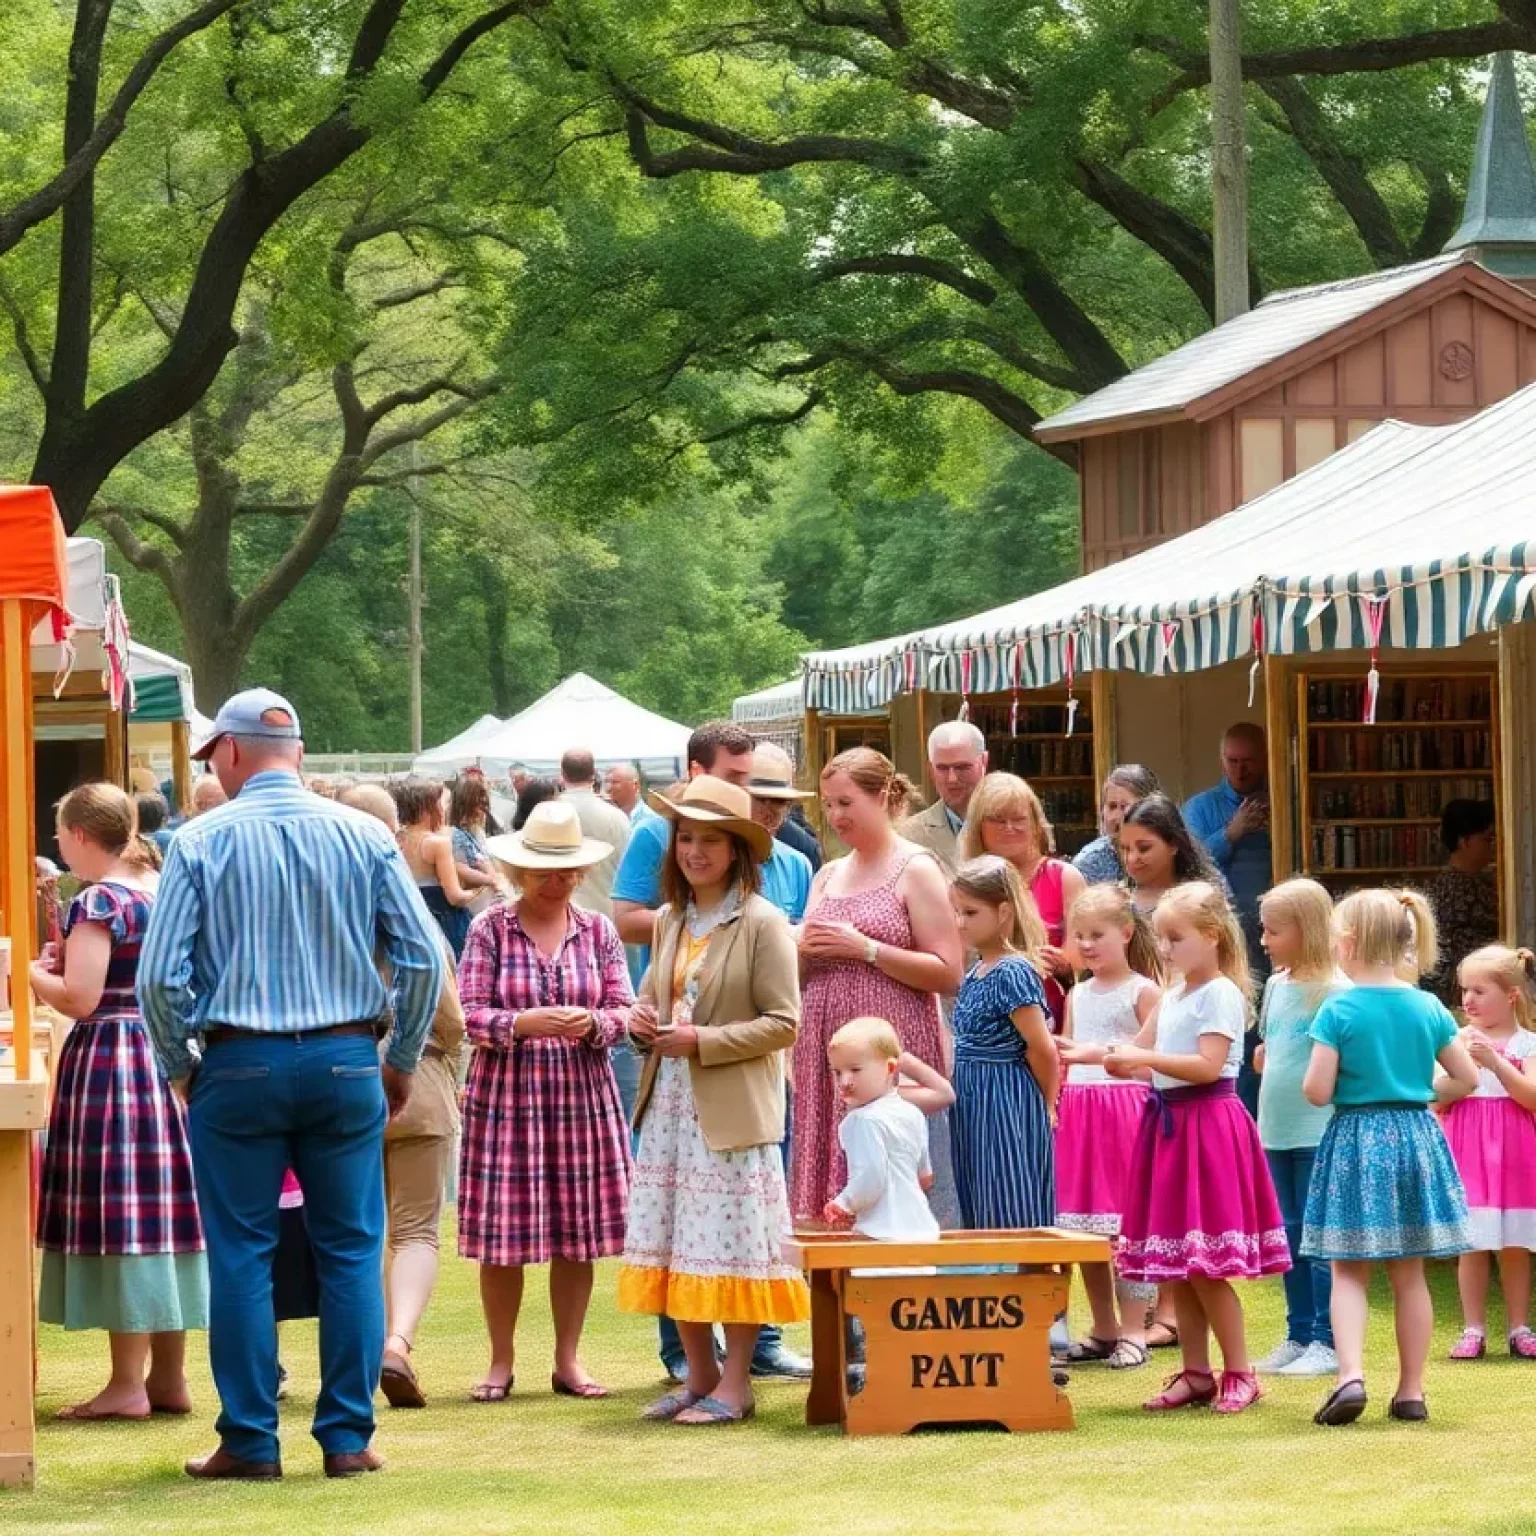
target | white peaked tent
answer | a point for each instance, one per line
(461, 751)
(582, 712)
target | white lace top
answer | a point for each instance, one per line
(1105, 1016)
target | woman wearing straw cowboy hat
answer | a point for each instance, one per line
(718, 1008)
(544, 1168)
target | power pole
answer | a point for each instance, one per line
(1229, 162)
(413, 486)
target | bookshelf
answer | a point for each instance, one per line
(1059, 768)
(1371, 795)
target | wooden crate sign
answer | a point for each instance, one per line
(953, 1349)
(940, 1348)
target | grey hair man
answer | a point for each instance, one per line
(957, 761)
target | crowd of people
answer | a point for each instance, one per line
(687, 1032)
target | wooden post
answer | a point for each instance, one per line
(1106, 744)
(1229, 166)
(1280, 734)
(21, 1101)
(1512, 754)
(181, 766)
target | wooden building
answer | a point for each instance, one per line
(1253, 402)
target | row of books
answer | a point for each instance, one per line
(1376, 847)
(1403, 698)
(1388, 800)
(1377, 751)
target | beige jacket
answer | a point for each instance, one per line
(930, 829)
(433, 1107)
(747, 1014)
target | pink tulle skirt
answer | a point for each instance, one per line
(1096, 1128)
(1494, 1144)
(1201, 1201)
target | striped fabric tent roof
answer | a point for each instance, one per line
(783, 701)
(861, 679)
(1424, 530)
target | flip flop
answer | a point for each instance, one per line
(83, 1413)
(491, 1391)
(588, 1389)
(713, 1411)
(1162, 1336)
(664, 1409)
(169, 1411)
(397, 1381)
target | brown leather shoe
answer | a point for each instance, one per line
(221, 1466)
(353, 1463)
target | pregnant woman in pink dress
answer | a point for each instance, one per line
(879, 939)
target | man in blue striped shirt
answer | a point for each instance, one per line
(262, 941)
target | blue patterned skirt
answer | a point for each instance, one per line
(1385, 1187)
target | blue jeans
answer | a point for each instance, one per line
(262, 1104)
(770, 1337)
(1308, 1282)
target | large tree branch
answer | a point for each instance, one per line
(1361, 55)
(756, 422)
(740, 154)
(121, 419)
(1442, 213)
(49, 198)
(1344, 172)
(141, 556)
(899, 265)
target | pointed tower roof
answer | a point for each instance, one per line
(1499, 222)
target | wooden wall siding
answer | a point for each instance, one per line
(1440, 365)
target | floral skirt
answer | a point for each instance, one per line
(705, 1228)
(1384, 1186)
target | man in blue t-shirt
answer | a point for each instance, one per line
(723, 750)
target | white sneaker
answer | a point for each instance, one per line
(1286, 1353)
(1315, 1360)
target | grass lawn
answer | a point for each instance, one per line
(541, 1464)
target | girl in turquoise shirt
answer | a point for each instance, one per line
(1384, 1185)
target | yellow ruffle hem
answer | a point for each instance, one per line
(713, 1298)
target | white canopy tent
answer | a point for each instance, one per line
(461, 751)
(582, 712)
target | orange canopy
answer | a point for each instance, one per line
(33, 562)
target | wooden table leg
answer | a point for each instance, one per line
(17, 1443)
(827, 1402)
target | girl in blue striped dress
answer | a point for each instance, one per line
(1006, 1068)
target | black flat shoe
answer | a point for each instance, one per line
(1345, 1404)
(1410, 1410)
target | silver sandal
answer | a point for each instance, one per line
(667, 1408)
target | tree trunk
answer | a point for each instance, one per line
(493, 589)
(1229, 166)
(216, 652)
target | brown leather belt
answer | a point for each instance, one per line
(218, 1034)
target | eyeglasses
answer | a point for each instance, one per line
(1012, 823)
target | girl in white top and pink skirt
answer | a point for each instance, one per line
(1201, 1210)
(1099, 1115)
(1492, 1135)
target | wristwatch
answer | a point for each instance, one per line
(871, 950)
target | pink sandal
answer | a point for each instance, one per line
(1184, 1390)
(1239, 1390)
(1522, 1344)
(1472, 1345)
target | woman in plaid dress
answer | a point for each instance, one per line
(544, 1164)
(117, 1222)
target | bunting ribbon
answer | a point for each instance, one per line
(909, 670)
(967, 660)
(1071, 661)
(1375, 613)
(1167, 630)
(1258, 651)
(1015, 664)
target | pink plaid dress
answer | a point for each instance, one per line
(835, 991)
(544, 1165)
(117, 1169)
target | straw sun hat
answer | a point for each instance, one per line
(715, 803)
(551, 839)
